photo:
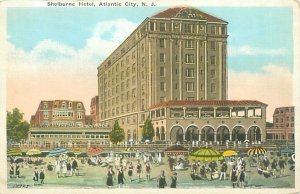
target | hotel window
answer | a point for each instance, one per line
(223, 30)
(212, 73)
(151, 26)
(79, 106)
(122, 75)
(128, 72)
(201, 72)
(162, 72)
(189, 58)
(122, 86)
(189, 44)
(127, 83)
(127, 59)
(162, 99)
(213, 60)
(189, 72)
(63, 104)
(122, 109)
(133, 106)
(292, 119)
(201, 87)
(162, 57)
(189, 86)
(133, 68)
(162, 43)
(188, 28)
(213, 29)
(176, 58)
(133, 55)
(143, 61)
(122, 97)
(213, 45)
(55, 104)
(133, 92)
(128, 95)
(162, 27)
(190, 99)
(213, 87)
(162, 86)
(133, 80)
(128, 108)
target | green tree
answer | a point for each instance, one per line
(16, 127)
(148, 132)
(117, 133)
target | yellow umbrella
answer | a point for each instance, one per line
(32, 152)
(206, 154)
(229, 153)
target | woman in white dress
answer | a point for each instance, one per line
(64, 168)
(57, 167)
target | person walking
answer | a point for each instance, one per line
(57, 168)
(18, 170)
(11, 170)
(121, 177)
(139, 170)
(174, 180)
(274, 168)
(161, 182)
(74, 167)
(223, 170)
(42, 175)
(109, 177)
(242, 177)
(64, 168)
(281, 164)
(130, 171)
(234, 176)
(148, 170)
(69, 168)
(36, 175)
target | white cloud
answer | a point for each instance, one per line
(249, 50)
(53, 70)
(274, 87)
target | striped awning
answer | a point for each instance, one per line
(256, 151)
(14, 152)
(206, 154)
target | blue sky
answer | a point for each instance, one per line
(258, 27)
(59, 50)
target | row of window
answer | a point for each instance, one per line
(286, 120)
(189, 59)
(63, 114)
(189, 87)
(186, 28)
(189, 72)
(188, 44)
(72, 136)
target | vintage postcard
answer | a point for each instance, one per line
(114, 96)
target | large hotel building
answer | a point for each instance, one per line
(173, 68)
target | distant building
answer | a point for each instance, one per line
(59, 113)
(94, 110)
(283, 124)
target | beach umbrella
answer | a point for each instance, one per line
(14, 152)
(33, 152)
(256, 151)
(206, 154)
(229, 153)
(94, 151)
(58, 151)
(176, 149)
(76, 151)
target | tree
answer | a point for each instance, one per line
(17, 129)
(148, 131)
(117, 133)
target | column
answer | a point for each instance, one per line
(199, 116)
(215, 136)
(184, 108)
(180, 68)
(205, 70)
(215, 112)
(246, 112)
(230, 136)
(246, 136)
(230, 111)
(197, 69)
(199, 135)
(171, 69)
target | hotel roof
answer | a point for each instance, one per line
(187, 13)
(206, 103)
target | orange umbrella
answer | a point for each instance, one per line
(94, 151)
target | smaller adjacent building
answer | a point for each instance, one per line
(59, 113)
(283, 124)
(94, 110)
(64, 123)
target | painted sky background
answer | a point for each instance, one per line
(53, 53)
